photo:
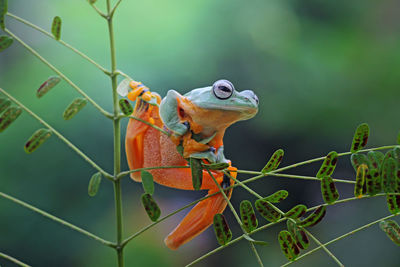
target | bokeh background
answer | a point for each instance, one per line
(319, 68)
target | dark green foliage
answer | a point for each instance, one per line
(9, 116)
(274, 161)
(5, 42)
(47, 85)
(248, 216)
(373, 182)
(393, 203)
(56, 28)
(125, 106)
(74, 108)
(376, 159)
(392, 230)
(357, 159)
(277, 197)
(328, 190)
(221, 228)
(360, 138)
(296, 212)
(267, 210)
(36, 140)
(3, 12)
(389, 175)
(94, 184)
(151, 207)
(329, 164)
(147, 182)
(314, 218)
(288, 245)
(197, 172)
(298, 234)
(4, 104)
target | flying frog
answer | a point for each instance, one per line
(196, 123)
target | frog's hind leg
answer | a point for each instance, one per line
(135, 134)
(201, 216)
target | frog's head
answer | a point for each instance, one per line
(207, 110)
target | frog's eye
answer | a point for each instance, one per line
(223, 89)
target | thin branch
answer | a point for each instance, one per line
(146, 122)
(122, 174)
(60, 41)
(341, 237)
(99, 11)
(324, 248)
(30, 49)
(56, 219)
(59, 135)
(111, 15)
(14, 260)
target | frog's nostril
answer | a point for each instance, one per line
(250, 94)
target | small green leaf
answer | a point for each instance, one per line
(360, 180)
(329, 165)
(373, 182)
(314, 218)
(56, 28)
(328, 190)
(296, 212)
(123, 87)
(357, 159)
(393, 203)
(3, 12)
(147, 182)
(274, 161)
(221, 228)
(376, 159)
(267, 210)
(125, 106)
(248, 216)
(360, 138)
(216, 166)
(47, 85)
(298, 234)
(5, 42)
(257, 242)
(389, 176)
(4, 104)
(36, 140)
(9, 116)
(277, 197)
(288, 245)
(392, 230)
(92, 1)
(197, 172)
(94, 184)
(151, 207)
(73, 108)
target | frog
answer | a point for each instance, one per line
(187, 126)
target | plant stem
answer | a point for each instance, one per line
(65, 78)
(14, 260)
(341, 237)
(148, 123)
(323, 246)
(122, 174)
(117, 139)
(60, 41)
(56, 219)
(59, 135)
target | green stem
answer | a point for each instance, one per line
(148, 123)
(59, 135)
(56, 219)
(236, 217)
(341, 237)
(324, 248)
(117, 140)
(14, 260)
(60, 41)
(99, 11)
(65, 78)
(122, 174)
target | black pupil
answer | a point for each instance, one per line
(224, 88)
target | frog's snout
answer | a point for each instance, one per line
(250, 95)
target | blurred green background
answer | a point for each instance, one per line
(319, 68)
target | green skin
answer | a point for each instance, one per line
(245, 103)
